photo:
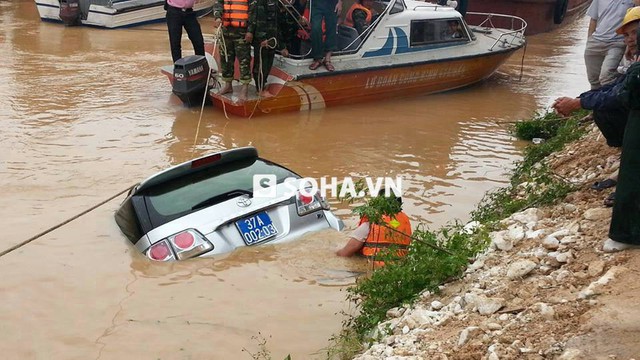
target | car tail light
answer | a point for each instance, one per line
(183, 245)
(160, 251)
(307, 204)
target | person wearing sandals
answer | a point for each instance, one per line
(327, 10)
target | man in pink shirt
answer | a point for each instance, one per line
(180, 14)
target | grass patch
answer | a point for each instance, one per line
(426, 267)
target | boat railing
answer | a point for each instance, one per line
(510, 28)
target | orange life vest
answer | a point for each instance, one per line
(236, 13)
(380, 237)
(348, 20)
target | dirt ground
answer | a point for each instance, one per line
(573, 301)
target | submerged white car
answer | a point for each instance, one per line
(206, 206)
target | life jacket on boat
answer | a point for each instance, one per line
(396, 233)
(348, 20)
(305, 34)
(235, 13)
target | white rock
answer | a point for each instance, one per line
(560, 233)
(493, 356)
(436, 305)
(569, 240)
(529, 215)
(569, 208)
(595, 288)
(504, 317)
(488, 306)
(520, 269)
(470, 227)
(515, 233)
(467, 334)
(597, 214)
(596, 268)
(535, 234)
(395, 312)
(405, 330)
(571, 354)
(494, 326)
(498, 240)
(564, 257)
(546, 311)
(551, 243)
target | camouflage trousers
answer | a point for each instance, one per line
(235, 47)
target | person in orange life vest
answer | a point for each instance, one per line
(234, 17)
(369, 239)
(359, 15)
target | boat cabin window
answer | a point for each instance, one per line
(398, 6)
(427, 32)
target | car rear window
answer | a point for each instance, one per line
(178, 197)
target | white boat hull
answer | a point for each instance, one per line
(113, 17)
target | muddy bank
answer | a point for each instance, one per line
(543, 290)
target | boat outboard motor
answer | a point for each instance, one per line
(70, 12)
(190, 75)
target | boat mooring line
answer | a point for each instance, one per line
(524, 52)
(19, 245)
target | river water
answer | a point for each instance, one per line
(86, 113)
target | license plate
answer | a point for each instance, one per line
(256, 228)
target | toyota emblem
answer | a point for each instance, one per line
(243, 201)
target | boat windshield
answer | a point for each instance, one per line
(438, 32)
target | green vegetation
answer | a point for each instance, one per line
(436, 257)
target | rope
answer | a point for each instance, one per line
(19, 245)
(524, 51)
(206, 91)
(261, 73)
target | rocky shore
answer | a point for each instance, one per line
(543, 290)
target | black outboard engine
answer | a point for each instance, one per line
(190, 75)
(70, 12)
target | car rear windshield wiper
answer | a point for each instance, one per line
(220, 198)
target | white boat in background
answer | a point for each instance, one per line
(111, 14)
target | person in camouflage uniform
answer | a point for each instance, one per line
(290, 19)
(234, 16)
(267, 23)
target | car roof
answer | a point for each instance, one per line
(198, 164)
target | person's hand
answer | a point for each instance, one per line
(248, 37)
(303, 21)
(566, 105)
(264, 43)
(338, 8)
(284, 52)
(217, 23)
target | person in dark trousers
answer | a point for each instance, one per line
(263, 30)
(180, 14)
(327, 10)
(624, 231)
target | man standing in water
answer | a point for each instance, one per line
(180, 14)
(370, 239)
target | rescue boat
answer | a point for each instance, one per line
(110, 14)
(410, 48)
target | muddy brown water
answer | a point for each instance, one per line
(85, 114)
